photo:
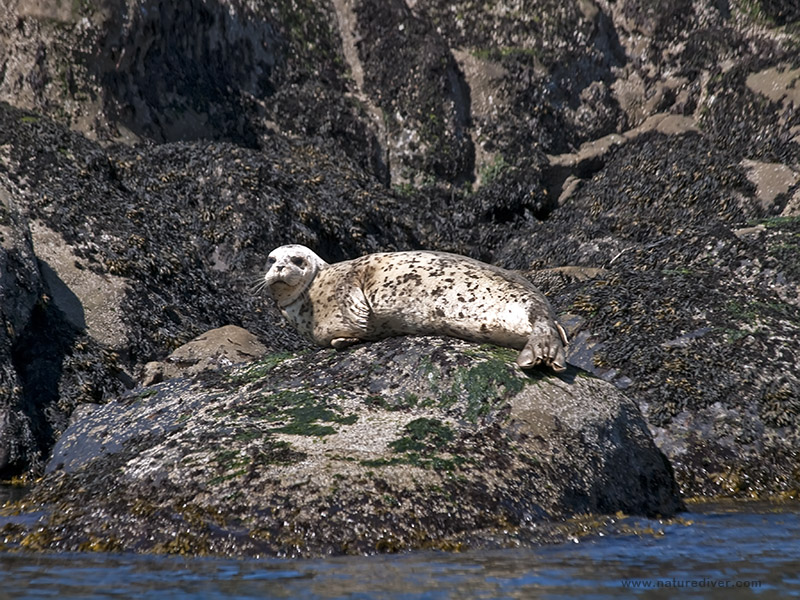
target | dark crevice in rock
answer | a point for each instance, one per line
(38, 355)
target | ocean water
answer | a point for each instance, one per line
(714, 551)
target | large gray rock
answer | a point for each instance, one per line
(405, 443)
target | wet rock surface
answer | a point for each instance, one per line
(151, 156)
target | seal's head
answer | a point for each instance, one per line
(290, 270)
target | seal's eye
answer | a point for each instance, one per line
(299, 262)
(271, 260)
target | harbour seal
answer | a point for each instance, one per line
(414, 293)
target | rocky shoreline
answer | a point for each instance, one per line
(638, 161)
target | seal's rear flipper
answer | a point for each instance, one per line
(545, 347)
(343, 342)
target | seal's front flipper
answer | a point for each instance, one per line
(354, 306)
(546, 346)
